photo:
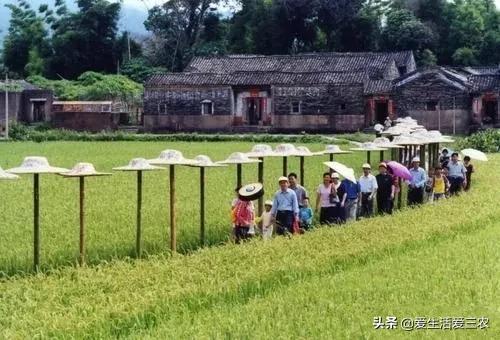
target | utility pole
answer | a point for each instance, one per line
(6, 106)
(439, 116)
(454, 123)
(128, 42)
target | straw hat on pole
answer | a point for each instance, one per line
(35, 165)
(138, 165)
(172, 158)
(203, 162)
(80, 171)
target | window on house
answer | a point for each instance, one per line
(402, 70)
(162, 109)
(106, 108)
(296, 107)
(431, 105)
(342, 106)
(207, 107)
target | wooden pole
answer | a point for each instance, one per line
(381, 156)
(173, 236)
(331, 160)
(138, 238)
(368, 157)
(302, 171)
(285, 166)
(239, 175)
(81, 259)
(202, 206)
(429, 155)
(422, 157)
(36, 221)
(400, 193)
(260, 176)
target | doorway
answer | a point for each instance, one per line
(38, 111)
(490, 111)
(254, 110)
(381, 112)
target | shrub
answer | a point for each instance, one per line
(486, 141)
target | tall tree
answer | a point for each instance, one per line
(26, 42)
(84, 40)
(335, 17)
(177, 25)
(403, 31)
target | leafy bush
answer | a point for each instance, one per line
(486, 141)
(93, 86)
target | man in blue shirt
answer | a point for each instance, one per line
(456, 174)
(416, 184)
(350, 199)
(285, 207)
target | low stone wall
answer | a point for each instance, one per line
(154, 123)
(443, 120)
(86, 121)
(280, 123)
(333, 123)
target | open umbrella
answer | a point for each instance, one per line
(203, 162)
(261, 151)
(399, 170)
(238, 159)
(36, 166)
(475, 154)
(5, 176)
(80, 171)
(342, 170)
(138, 165)
(172, 158)
(302, 152)
(368, 147)
(285, 151)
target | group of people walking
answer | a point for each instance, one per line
(339, 201)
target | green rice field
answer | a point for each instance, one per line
(437, 261)
(111, 201)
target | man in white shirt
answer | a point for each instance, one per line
(368, 185)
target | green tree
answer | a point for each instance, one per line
(403, 31)
(27, 39)
(490, 49)
(427, 58)
(84, 40)
(335, 18)
(139, 69)
(177, 25)
(465, 56)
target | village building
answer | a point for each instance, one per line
(318, 92)
(26, 103)
(92, 116)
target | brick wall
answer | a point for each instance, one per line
(88, 121)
